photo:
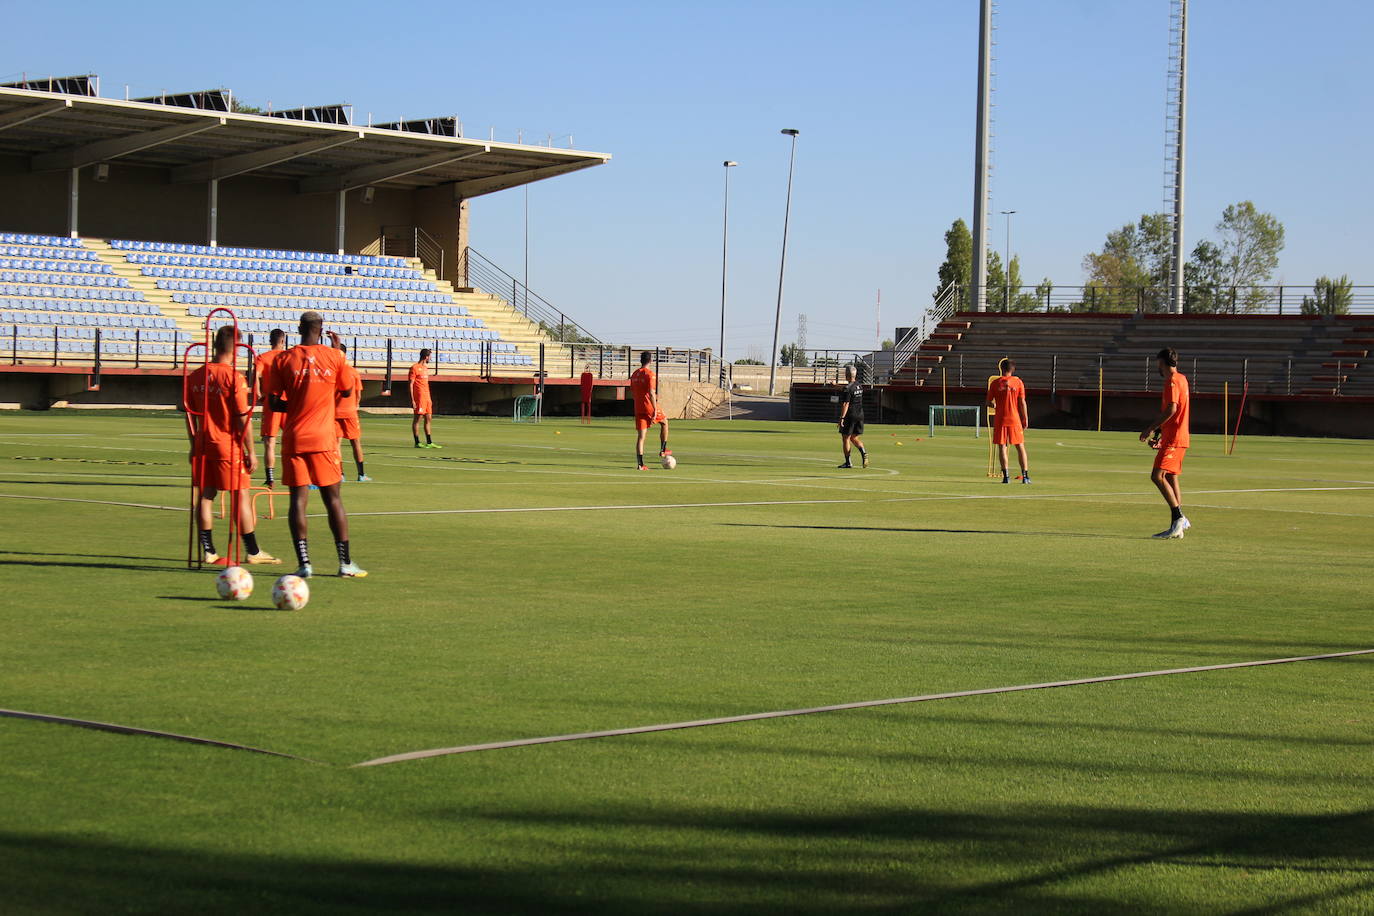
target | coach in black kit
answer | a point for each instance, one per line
(852, 418)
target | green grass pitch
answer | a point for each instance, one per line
(760, 578)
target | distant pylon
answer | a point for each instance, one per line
(801, 332)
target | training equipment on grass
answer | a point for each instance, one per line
(234, 582)
(290, 593)
(955, 415)
(669, 462)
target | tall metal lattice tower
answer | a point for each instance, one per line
(1175, 145)
(801, 332)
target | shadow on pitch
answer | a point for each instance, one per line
(89, 483)
(899, 530)
(134, 567)
(626, 857)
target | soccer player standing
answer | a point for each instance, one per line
(644, 389)
(1172, 427)
(306, 383)
(1007, 398)
(219, 423)
(346, 417)
(271, 420)
(852, 418)
(420, 402)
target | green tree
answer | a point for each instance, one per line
(748, 361)
(888, 344)
(1249, 243)
(792, 356)
(1022, 299)
(958, 264)
(1329, 297)
(1203, 275)
(997, 283)
(1043, 290)
(1133, 259)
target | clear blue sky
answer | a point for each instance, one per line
(882, 92)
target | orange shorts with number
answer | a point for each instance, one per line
(1008, 434)
(320, 468)
(423, 407)
(219, 474)
(271, 423)
(348, 428)
(644, 421)
(1169, 459)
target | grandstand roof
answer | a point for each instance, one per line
(60, 131)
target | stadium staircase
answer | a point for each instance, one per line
(1303, 356)
(148, 300)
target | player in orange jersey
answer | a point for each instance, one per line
(346, 417)
(306, 383)
(1007, 400)
(271, 420)
(219, 424)
(1170, 430)
(420, 402)
(644, 389)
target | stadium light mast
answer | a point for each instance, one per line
(1175, 139)
(724, 264)
(782, 265)
(1006, 307)
(980, 159)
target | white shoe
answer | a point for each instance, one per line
(1164, 535)
(1177, 528)
(1186, 524)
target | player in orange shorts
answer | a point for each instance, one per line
(306, 383)
(346, 417)
(420, 401)
(219, 424)
(1170, 433)
(1007, 400)
(271, 420)
(644, 389)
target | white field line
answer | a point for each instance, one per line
(94, 502)
(839, 707)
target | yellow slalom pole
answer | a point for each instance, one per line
(1099, 399)
(1225, 412)
(944, 398)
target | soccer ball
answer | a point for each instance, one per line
(234, 582)
(290, 593)
(669, 462)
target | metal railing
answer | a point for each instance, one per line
(479, 272)
(618, 361)
(888, 363)
(413, 242)
(1153, 300)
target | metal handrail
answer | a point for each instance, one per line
(947, 302)
(1285, 299)
(480, 272)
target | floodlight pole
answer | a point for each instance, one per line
(724, 264)
(1006, 268)
(980, 160)
(782, 265)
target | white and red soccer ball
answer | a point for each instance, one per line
(234, 583)
(290, 593)
(669, 462)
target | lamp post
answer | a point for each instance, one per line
(1006, 268)
(724, 263)
(782, 265)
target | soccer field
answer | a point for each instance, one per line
(526, 581)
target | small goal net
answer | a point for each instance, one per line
(948, 418)
(526, 409)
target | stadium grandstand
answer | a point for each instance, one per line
(125, 223)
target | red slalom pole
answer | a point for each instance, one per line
(1240, 412)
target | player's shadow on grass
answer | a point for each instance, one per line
(96, 556)
(86, 483)
(622, 858)
(221, 604)
(132, 567)
(900, 530)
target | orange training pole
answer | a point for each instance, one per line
(1240, 412)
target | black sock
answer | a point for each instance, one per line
(861, 450)
(428, 439)
(250, 543)
(417, 440)
(207, 542)
(360, 469)
(639, 459)
(343, 552)
(271, 476)
(302, 552)
(1176, 512)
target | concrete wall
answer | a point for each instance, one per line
(143, 203)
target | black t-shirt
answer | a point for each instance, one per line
(854, 397)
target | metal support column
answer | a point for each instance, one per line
(212, 227)
(339, 220)
(980, 159)
(1179, 115)
(73, 200)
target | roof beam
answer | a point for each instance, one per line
(77, 156)
(229, 166)
(385, 171)
(33, 112)
(476, 187)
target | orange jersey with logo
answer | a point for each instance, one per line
(419, 383)
(261, 366)
(347, 408)
(1174, 431)
(1006, 393)
(217, 397)
(309, 379)
(643, 385)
